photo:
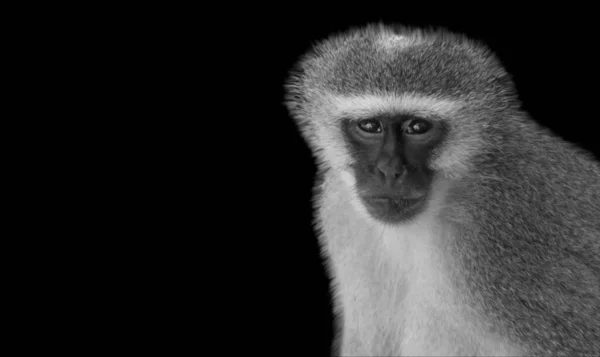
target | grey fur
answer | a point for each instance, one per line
(527, 213)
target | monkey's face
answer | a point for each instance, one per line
(390, 162)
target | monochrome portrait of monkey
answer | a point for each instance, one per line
(450, 222)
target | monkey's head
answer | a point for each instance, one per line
(392, 110)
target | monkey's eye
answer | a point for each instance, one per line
(417, 127)
(370, 126)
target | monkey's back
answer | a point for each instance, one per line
(531, 258)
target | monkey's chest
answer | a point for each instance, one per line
(396, 300)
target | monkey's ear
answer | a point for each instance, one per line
(504, 79)
(500, 76)
(507, 86)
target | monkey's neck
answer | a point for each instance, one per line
(392, 279)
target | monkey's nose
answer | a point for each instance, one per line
(389, 172)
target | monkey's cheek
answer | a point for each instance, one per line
(348, 178)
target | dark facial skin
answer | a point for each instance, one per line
(391, 154)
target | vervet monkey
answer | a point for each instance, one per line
(452, 223)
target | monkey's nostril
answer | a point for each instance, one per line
(390, 173)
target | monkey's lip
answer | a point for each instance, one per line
(392, 202)
(392, 198)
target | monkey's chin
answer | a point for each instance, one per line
(393, 210)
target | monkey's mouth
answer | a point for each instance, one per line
(393, 202)
(391, 208)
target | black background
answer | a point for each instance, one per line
(553, 61)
